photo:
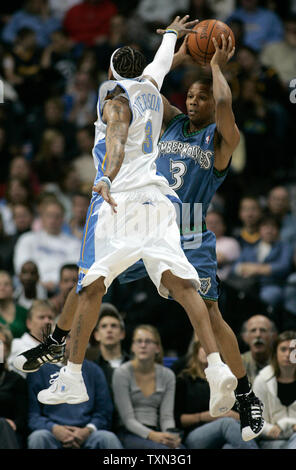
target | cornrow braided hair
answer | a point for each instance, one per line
(129, 62)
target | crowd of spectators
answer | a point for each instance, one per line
(54, 55)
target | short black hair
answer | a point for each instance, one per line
(70, 266)
(129, 62)
(109, 310)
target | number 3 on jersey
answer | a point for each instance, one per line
(178, 170)
(147, 146)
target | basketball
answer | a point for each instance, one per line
(200, 46)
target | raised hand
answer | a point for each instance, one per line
(223, 54)
(181, 26)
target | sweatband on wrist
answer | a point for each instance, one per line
(163, 59)
(171, 31)
(106, 180)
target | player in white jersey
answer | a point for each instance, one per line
(130, 217)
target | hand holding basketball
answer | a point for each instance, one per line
(223, 54)
(201, 46)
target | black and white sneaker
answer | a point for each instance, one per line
(47, 351)
(250, 409)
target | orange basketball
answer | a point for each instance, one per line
(200, 46)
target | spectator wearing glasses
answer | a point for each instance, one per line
(144, 394)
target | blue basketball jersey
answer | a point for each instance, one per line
(187, 161)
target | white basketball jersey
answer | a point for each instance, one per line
(138, 169)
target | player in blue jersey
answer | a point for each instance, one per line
(194, 155)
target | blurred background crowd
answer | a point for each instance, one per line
(54, 55)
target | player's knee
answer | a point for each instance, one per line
(95, 289)
(182, 289)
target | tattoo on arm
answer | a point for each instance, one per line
(118, 119)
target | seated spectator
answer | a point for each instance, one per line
(53, 117)
(276, 387)
(250, 213)
(259, 333)
(68, 279)
(23, 217)
(227, 248)
(67, 184)
(85, 425)
(118, 36)
(89, 21)
(258, 120)
(17, 192)
(144, 395)
(266, 265)
(50, 160)
(59, 60)
(279, 205)
(11, 314)
(262, 26)
(43, 199)
(29, 288)
(22, 69)
(266, 78)
(49, 248)
(280, 55)
(34, 15)
(201, 430)
(21, 168)
(13, 400)
(81, 99)
(80, 203)
(105, 348)
(84, 162)
(108, 335)
(40, 318)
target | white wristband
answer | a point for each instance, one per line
(106, 180)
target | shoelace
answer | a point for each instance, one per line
(256, 411)
(54, 381)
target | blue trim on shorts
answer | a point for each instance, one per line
(87, 250)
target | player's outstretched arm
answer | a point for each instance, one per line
(117, 116)
(161, 64)
(225, 120)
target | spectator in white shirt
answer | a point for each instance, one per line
(49, 248)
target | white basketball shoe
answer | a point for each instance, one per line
(64, 388)
(222, 385)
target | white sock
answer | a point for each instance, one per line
(214, 359)
(73, 368)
